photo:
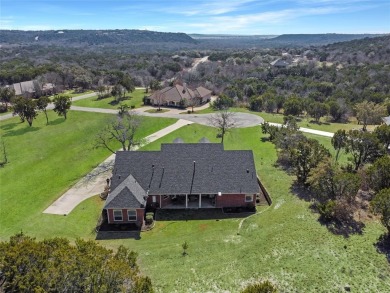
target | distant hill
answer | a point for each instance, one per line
(367, 50)
(316, 39)
(91, 37)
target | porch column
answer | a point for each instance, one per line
(186, 200)
(160, 201)
(200, 200)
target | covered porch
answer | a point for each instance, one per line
(188, 201)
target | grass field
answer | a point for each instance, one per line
(284, 243)
(134, 99)
(44, 161)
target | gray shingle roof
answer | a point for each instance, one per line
(128, 194)
(186, 169)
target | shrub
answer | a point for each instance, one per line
(149, 218)
(262, 287)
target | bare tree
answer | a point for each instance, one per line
(224, 121)
(122, 129)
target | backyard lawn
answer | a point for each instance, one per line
(132, 99)
(284, 243)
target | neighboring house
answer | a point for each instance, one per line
(280, 63)
(181, 176)
(179, 96)
(25, 88)
(386, 120)
(32, 88)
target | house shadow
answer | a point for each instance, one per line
(202, 214)
(106, 231)
(383, 245)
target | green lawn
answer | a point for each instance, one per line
(133, 99)
(284, 243)
(44, 161)
(305, 122)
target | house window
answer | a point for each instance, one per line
(132, 215)
(248, 197)
(118, 215)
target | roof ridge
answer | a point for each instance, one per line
(125, 184)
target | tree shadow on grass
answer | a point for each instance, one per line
(9, 126)
(383, 245)
(345, 228)
(21, 131)
(57, 121)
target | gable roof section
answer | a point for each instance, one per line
(189, 169)
(23, 87)
(202, 92)
(128, 194)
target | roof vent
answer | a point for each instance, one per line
(247, 170)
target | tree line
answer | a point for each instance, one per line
(336, 188)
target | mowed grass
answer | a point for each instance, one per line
(283, 243)
(44, 161)
(132, 99)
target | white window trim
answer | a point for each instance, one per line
(251, 195)
(113, 215)
(128, 215)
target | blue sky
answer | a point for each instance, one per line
(200, 16)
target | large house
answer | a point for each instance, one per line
(181, 176)
(179, 96)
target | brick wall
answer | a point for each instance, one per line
(233, 200)
(140, 217)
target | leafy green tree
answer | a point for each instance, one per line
(261, 287)
(290, 122)
(30, 111)
(364, 147)
(256, 103)
(6, 96)
(293, 106)
(381, 206)
(42, 104)
(26, 109)
(54, 265)
(222, 102)
(62, 105)
(272, 130)
(318, 110)
(369, 113)
(19, 104)
(338, 141)
(379, 174)
(382, 132)
(306, 156)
